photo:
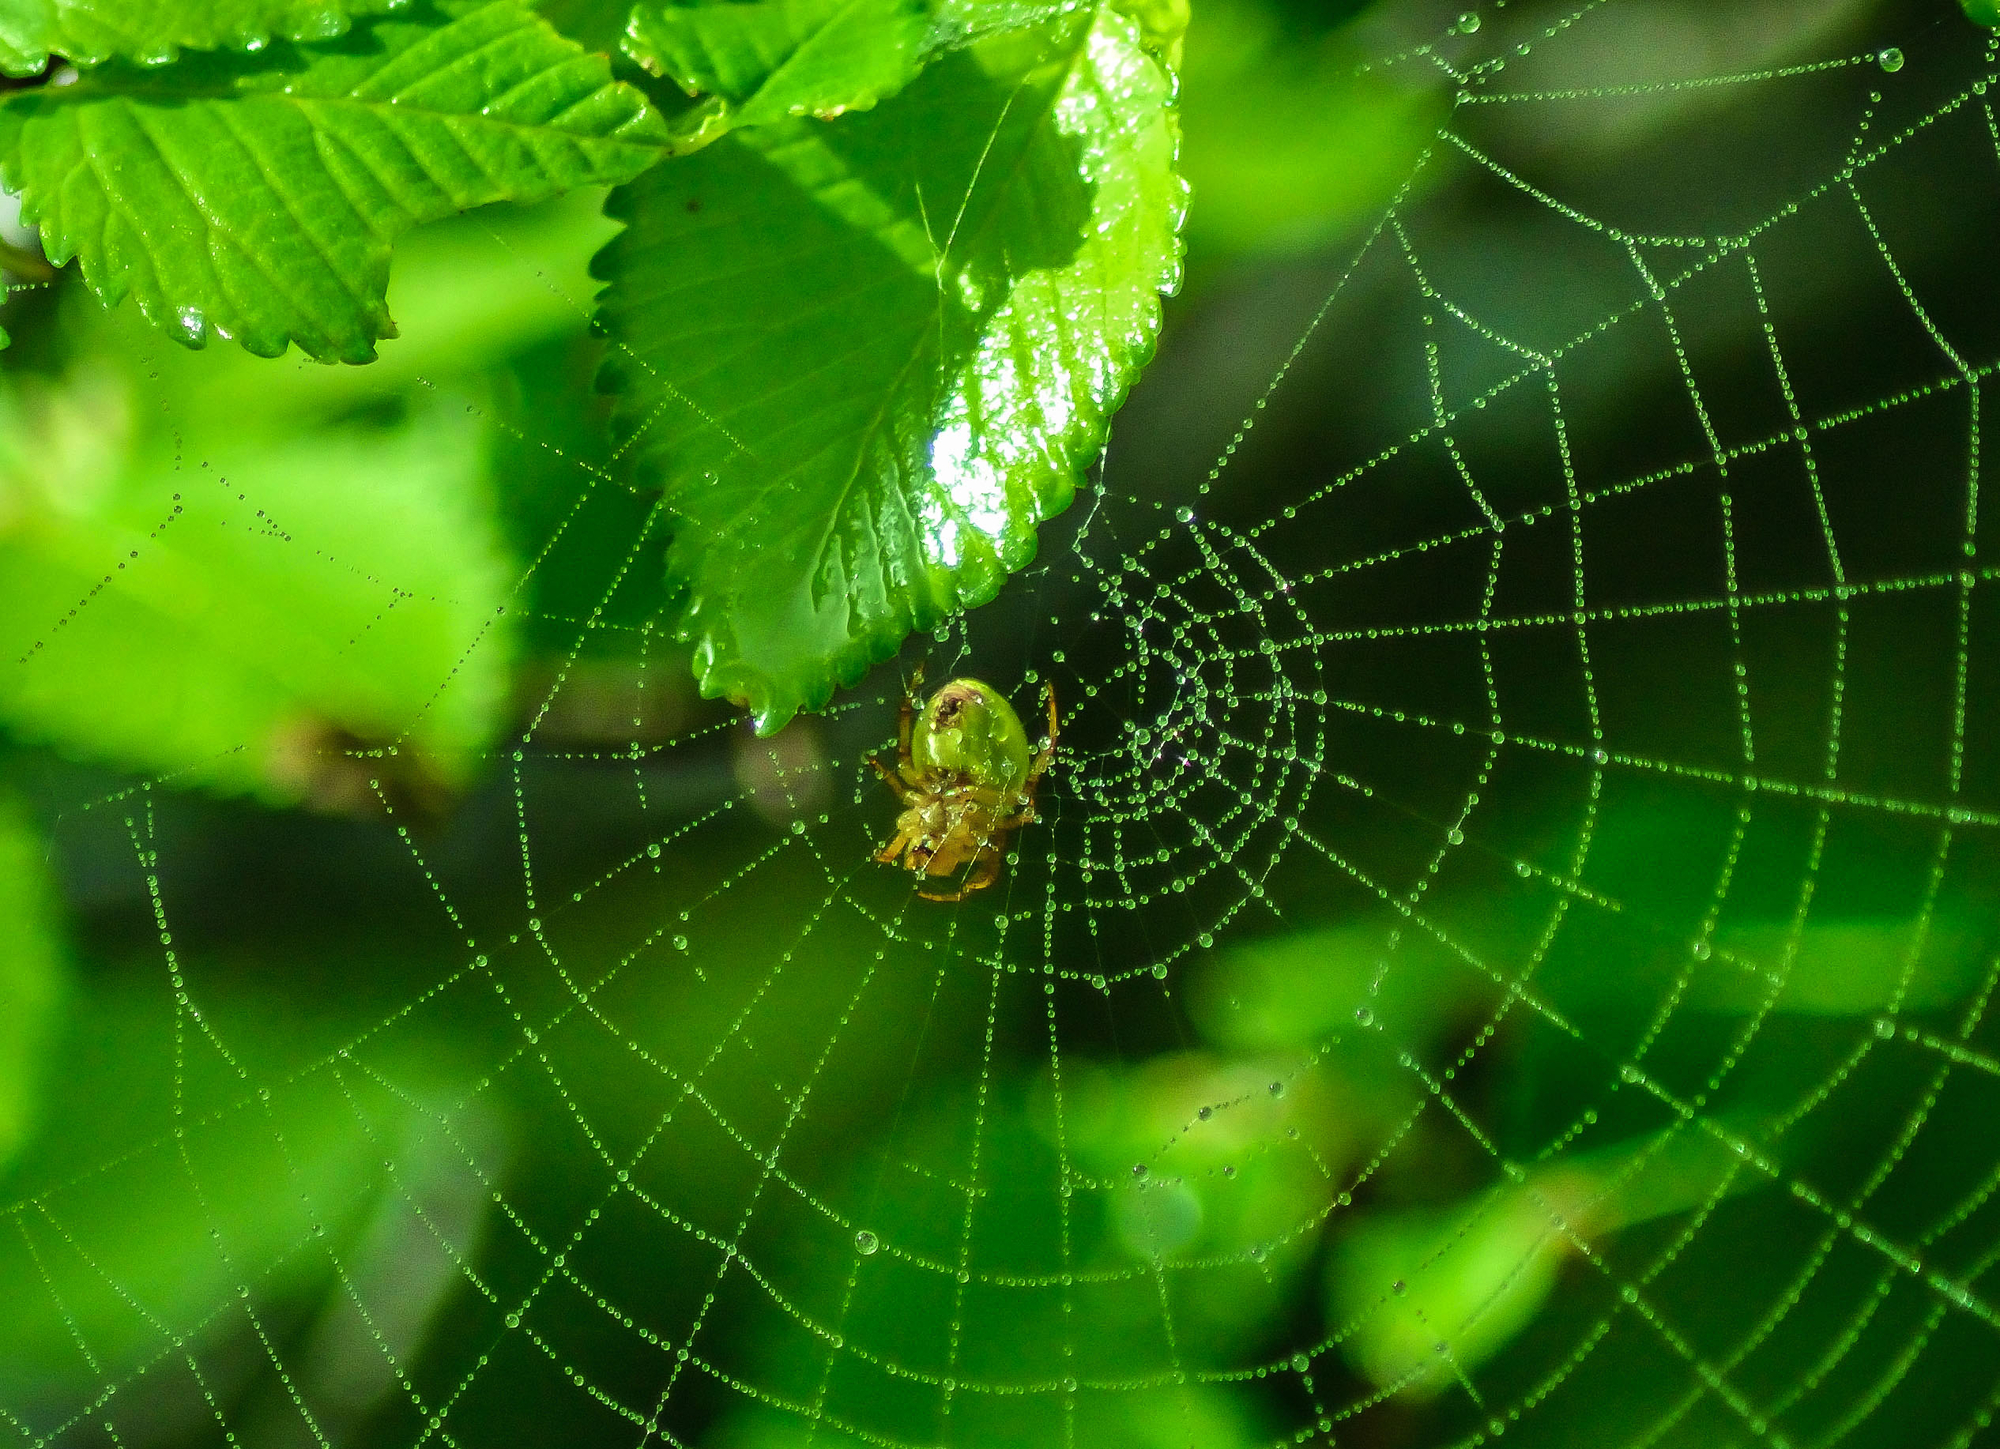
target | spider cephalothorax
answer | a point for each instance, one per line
(966, 780)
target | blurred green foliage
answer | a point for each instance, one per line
(347, 588)
(1290, 140)
(33, 975)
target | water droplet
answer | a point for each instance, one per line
(1456, 837)
(1185, 515)
(1364, 1015)
(1701, 949)
(866, 1242)
(1885, 1027)
(1891, 60)
(1300, 1363)
(1138, 1169)
(1277, 1089)
(1468, 23)
(653, 850)
(680, 943)
(1600, 756)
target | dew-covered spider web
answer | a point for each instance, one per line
(1506, 951)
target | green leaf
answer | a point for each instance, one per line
(1291, 144)
(1423, 1296)
(866, 359)
(255, 625)
(31, 973)
(128, 1262)
(90, 32)
(258, 197)
(766, 62)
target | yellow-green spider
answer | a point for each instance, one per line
(966, 781)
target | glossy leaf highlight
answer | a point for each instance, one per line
(866, 359)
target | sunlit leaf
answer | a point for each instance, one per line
(252, 625)
(867, 358)
(257, 198)
(89, 32)
(780, 58)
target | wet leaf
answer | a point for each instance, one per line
(867, 358)
(767, 62)
(89, 32)
(257, 197)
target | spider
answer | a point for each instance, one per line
(966, 781)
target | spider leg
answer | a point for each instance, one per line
(906, 838)
(1047, 755)
(894, 779)
(985, 871)
(906, 713)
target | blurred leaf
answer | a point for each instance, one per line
(240, 1201)
(776, 59)
(1143, 1417)
(1088, 1341)
(89, 32)
(1291, 143)
(1424, 1296)
(31, 974)
(1436, 1294)
(1839, 967)
(257, 198)
(250, 626)
(1236, 1198)
(1303, 989)
(867, 358)
(1983, 12)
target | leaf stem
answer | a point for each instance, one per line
(27, 265)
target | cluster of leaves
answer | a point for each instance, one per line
(887, 266)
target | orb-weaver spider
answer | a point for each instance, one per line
(966, 781)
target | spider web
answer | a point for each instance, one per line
(1506, 951)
